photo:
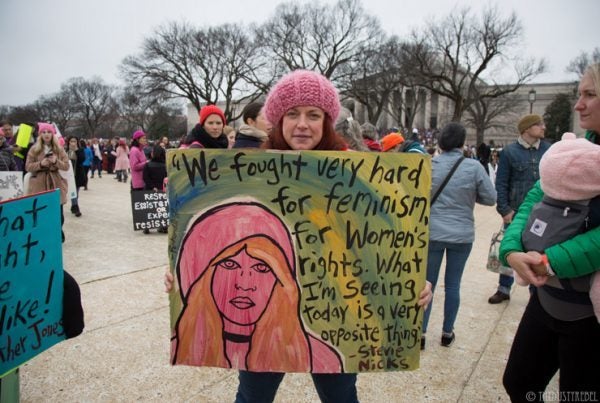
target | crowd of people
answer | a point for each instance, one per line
(302, 111)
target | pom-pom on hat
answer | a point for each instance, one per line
(527, 121)
(391, 140)
(138, 134)
(569, 169)
(301, 88)
(208, 110)
(46, 127)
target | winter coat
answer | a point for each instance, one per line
(7, 160)
(78, 167)
(371, 144)
(154, 175)
(108, 151)
(89, 157)
(451, 218)
(518, 170)
(122, 158)
(249, 137)
(199, 138)
(47, 178)
(137, 161)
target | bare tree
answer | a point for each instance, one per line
(156, 116)
(95, 103)
(200, 65)
(372, 76)
(580, 63)
(319, 37)
(28, 114)
(451, 56)
(237, 64)
(59, 108)
(490, 113)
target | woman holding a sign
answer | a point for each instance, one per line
(303, 107)
(229, 247)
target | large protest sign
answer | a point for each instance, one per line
(149, 209)
(11, 184)
(31, 281)
(297, 261)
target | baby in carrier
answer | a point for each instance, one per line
(570, 178)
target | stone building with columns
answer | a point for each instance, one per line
(435, 111)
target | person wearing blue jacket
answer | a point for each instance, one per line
(451, 223)
(89, 160)
(518, 171)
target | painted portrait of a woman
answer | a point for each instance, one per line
(236, 272)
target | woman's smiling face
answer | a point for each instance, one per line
(302, 127)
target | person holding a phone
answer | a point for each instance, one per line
(44, 160)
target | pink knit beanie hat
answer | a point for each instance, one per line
(569, 169)
(301, 88)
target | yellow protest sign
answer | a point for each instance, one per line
(305, 261)
(24, 135)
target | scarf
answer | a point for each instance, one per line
(200, 135)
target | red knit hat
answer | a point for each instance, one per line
(208, 110)
(569, 169)
(301, 88)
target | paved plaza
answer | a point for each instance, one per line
(123, 354)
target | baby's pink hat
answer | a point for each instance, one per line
(569, 170)
(301, 88)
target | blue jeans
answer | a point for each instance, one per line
(505, 283)
(456, 259)
(258, 387)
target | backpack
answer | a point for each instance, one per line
(551, 222)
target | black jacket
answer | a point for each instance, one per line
(154, 175)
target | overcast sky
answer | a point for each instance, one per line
(45, 42)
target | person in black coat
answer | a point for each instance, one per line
(77, 158)
(155, 172)
(255, 129)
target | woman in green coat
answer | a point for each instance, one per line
(545, 342)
